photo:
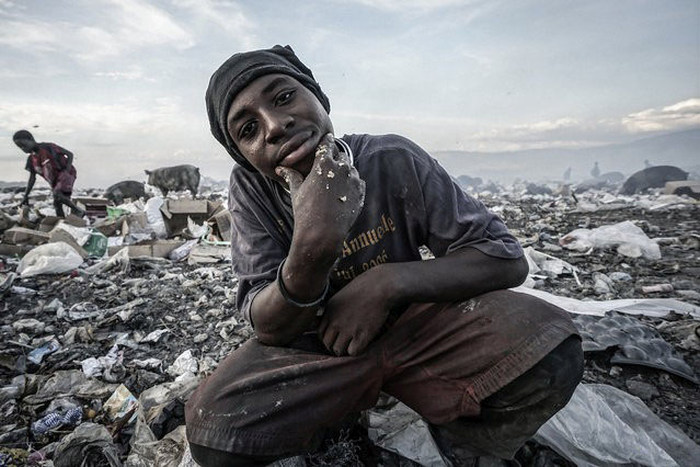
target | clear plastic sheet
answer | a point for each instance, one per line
(602, 425)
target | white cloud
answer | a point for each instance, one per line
(7, 6)
(130, 75)
(438, 133)
(29, 36)
(124, 119)
(228, 16)
(130, 25)
(133, 25)
(679, 116)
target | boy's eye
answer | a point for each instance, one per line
(247, 130)
(284, 97)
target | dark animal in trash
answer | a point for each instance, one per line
(118, 192)
(652, 177)
(176, 178)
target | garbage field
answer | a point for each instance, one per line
(109, 322)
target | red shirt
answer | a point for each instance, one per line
(49, 160)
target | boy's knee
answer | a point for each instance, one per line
(550, 383)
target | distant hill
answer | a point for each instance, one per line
(681, 149)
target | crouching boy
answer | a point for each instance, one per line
(326, 238)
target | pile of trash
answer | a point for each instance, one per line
(109, 322)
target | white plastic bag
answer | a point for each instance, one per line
(185, 363)
(155, 217)
(630, 240)
(542, 262)
(50, 258)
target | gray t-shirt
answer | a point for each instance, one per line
(410, 201)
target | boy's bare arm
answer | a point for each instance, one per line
(355, 315)
(325, 206)
(30, 185)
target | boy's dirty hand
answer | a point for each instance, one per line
(326, 202)
(355, 315)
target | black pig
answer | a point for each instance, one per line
(126, 189)
(177, 178)
(652, 177)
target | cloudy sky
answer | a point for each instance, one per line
(121, 82)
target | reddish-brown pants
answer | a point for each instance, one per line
(442, 360)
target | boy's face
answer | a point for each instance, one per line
(26, 145)
(276, 121)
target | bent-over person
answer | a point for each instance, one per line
(55, 165)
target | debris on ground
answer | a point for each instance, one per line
(108, 323)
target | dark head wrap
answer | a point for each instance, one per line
(238, 72)
(22, 134)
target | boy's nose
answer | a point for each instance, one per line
(277, 126)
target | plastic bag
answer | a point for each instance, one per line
(542, 262)
(181, 252)
(155, 217)
(50, 258)
(194, 230)
(37, 355)
(119, 261)
(397, 428)
(185, 363)
(630, 240)
(96, 245)
(89, 441)
(653, 307)
(602, 425)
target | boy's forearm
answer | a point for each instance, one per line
(30, 184)
(460, 275)
(305, 275)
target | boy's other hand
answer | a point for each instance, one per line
(354, 316)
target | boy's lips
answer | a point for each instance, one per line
(297, 149)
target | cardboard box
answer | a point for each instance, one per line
(137, 220)
(60, 235)
(14, 250)
(94, 207)
(683, 187)
(6, 222)
(21, 235)
(154, 248)
(206, 254)
(74, 220)
(47, 223)
(221, 221)
(109, 227)
(176, 211)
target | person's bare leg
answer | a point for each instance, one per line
(62, 199)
